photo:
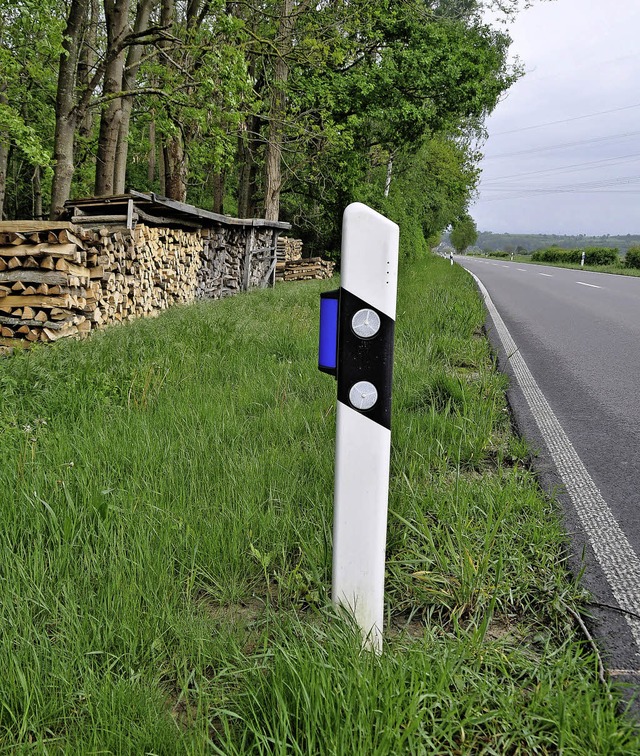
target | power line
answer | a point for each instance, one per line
(542, 194)
(565, 120)
(598, 184)
(566, 168)
(562, 145)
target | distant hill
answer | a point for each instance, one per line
(488, 241)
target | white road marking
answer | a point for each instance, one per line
(505, 266)
(524, 270)
(613, 551)
(593, 286)
(548, 275)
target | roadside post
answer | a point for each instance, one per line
(582, 259)
(356, 346)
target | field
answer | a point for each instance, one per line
(166, 547)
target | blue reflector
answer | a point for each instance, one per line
(328, 346)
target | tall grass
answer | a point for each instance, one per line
(165, 547)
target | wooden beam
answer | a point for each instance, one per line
(28, 226)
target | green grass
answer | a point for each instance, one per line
(165, 548)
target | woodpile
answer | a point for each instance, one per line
(61, 279)
(47, 290)
(226, 255)
(308, 268)
(292, 267)
(144, 271)
(289, 249)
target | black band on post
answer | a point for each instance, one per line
(367, 359)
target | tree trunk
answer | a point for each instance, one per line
(37, 193)
(218, 192)
(387, 183)
(86, 62)
(134, 56)
(116, 14)
(4, 160)
(248, 170)
(175, 169)
(66, 115)
(151, 169)
(273, 158)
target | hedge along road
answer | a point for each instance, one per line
(570, 341)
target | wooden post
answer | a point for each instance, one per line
(247, 259)
(274, 259)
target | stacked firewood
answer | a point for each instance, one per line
(144, 271)
(308, 268)
(58, 279)
(224, 255)
(61, 279)
(289, 249)
(292, 267)
(46, 286)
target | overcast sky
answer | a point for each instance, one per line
(580, 174)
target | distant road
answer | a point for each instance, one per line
(579, 334)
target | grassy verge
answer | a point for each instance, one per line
(165, 549)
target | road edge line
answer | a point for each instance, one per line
(612, 549)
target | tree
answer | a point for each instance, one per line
(67, 113)
(397, 76)
(290, 108)
(463, 234)
(30, 42)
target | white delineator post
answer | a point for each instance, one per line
(367, 309)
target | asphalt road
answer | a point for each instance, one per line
(579, 335)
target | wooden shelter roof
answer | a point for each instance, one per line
(155, 210)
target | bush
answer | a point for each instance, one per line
(499, 253)
(601, 255)
(555, 254)
(632, 260)
(592, 255)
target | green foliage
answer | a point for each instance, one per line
(632, 259)
(499, 253)
(601, 256)
(593, 255)
(14, 129)
(463, 233)
(30, 44)
(399, 87)
(429, 190)
(367, 83)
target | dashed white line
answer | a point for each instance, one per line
(548, 275)
(524, 270)
(505, 266)
(593, 286)
(613, 551)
